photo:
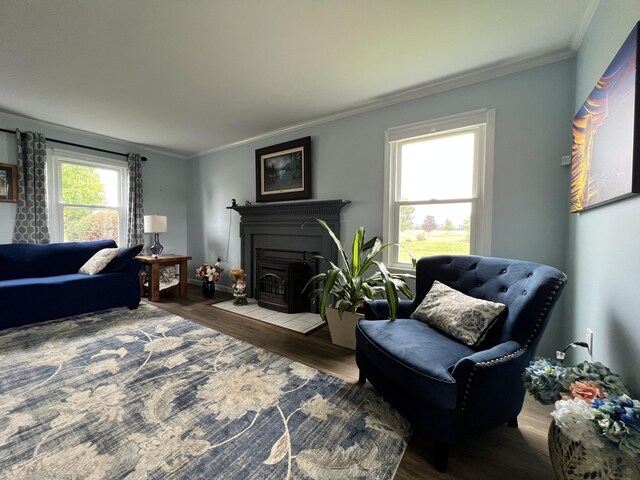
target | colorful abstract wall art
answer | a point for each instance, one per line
(605, 159)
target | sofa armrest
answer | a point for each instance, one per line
(504, 359)
(498, 352)
(490, 386)
(133, 267)
(379, 309)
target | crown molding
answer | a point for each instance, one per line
(578, 36)
(84, 133)
(488, 72)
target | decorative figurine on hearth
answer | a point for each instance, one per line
(239, 287)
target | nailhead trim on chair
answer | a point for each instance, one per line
(502, 359)
(490, 363)
(543, 312)
(518, 352)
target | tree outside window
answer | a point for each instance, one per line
(87, 197)
(83, 186)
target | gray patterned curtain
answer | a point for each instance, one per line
(135, 212)
(32, 224)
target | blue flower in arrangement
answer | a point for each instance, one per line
(545, 380)
(619, 420)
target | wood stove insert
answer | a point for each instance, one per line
(281, 276)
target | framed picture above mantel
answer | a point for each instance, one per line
(283, 171)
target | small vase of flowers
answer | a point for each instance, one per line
(595, 431)
(209, 274)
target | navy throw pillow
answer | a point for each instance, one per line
(123, 256)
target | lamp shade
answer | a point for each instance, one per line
(155, 224)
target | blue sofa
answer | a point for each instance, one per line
(442, 385)
(41, 282)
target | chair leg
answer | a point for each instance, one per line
(440, 456)
(513, 422)
(361, 378)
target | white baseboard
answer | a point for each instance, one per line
(222, 288)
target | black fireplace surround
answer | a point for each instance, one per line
(288, 227)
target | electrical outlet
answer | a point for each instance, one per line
(590, 341)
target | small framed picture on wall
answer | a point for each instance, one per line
(8, 183)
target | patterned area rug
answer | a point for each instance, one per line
(146, 394)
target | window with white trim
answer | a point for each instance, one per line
(87, 197)
(438, 187)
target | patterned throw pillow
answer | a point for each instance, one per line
(99, 260)
(463, 317)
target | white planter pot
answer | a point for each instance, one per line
(343, 330)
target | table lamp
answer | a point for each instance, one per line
(155, 224)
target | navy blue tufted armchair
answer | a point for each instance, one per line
(441, 385)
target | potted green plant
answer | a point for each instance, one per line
(353, 284)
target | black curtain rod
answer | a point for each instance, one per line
(144, 159)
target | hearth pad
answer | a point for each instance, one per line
(304, 322)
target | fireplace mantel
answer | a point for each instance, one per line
(287, 226)
(312, 209)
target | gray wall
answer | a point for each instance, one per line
(603, 258)
(533, 130)
(164, 178)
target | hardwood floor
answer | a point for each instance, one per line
(504, 453)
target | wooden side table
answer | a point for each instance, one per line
(154, 272)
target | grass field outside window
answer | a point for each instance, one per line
(437, 242)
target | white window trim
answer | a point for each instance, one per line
(481, 231)
(55, 157)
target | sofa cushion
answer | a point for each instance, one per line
(392, 345)
(30, 300)
(124, 255)
(98, 261)
(12, 261)
(465, 318)
(28, 261)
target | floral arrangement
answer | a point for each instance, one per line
(210, 272)
(592, 405)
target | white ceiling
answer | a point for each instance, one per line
(188, 76)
